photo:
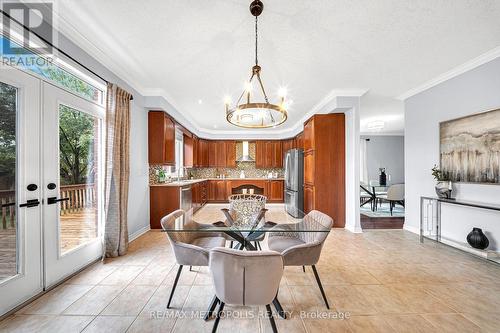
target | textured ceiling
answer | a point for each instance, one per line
(194, 51)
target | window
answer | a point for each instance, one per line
(58, 72)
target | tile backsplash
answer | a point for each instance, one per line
(247, 167)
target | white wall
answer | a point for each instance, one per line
(474, 91)
(385, 151)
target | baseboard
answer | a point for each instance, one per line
(138, 233)
(409, 228)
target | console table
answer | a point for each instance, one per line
(438, 202)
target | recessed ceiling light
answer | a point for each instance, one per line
(200, 101)
(215, 126)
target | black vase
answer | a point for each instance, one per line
(382, 178)
(477, 239)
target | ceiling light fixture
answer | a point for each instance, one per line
(256, 114)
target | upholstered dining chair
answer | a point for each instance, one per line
(191, 247)
(246, 278)
(395, 195)
(303, 248)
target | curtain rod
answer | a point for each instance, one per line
(58, 49)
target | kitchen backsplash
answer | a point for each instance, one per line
(247, 167)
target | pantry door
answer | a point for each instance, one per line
(20, 189)
(73, 176)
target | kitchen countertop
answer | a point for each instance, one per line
(193, 181)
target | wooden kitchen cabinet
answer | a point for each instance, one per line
(299, 141)
(212, 156)
(203, 152)
(230, 154)
(161, 138)
(308, 198)
(324, 166)
(212, 187)
(220, 153)
(287, 145)
(189, 152)
(163, 201)
(268, 154)
(275, 190)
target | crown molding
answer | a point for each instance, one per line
(465, 67)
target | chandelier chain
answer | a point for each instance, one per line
(256, 41)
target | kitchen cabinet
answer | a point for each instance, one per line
(203, 153)
(299, 141)
(268, 154)
(230, 154)
(189, 152)
(217, 190)
(196, 152)
(324, 166)
(161, 138)
(220, 154)
(308, 198)
(212, 156)
(287, 145)
(163, 201)
(275, 190)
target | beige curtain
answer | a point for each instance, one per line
(117, 171)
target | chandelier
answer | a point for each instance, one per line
(256, 114)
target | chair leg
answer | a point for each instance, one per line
(175, 285)
(190, 268)
(320, 286)
(278, 307)
(211, 308)
(391, 205)
(304, 269)
(217, 318)
(271, 318)
(255, 244)
(231, 244)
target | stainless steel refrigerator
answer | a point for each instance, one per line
(294, 182)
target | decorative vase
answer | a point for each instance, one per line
(443, 189)
(477, 239)
(382, 177)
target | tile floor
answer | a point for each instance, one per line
(380, 281)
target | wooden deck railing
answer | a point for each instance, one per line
(81, 196)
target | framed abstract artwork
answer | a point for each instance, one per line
(470, 148)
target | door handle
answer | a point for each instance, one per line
(53, 200)
(30, 203)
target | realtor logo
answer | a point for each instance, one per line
(34, 16)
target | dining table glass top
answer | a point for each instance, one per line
(185, 223)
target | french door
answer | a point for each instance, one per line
(20, 190)
(51, 173)
(72, 172)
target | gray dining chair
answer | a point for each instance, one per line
(190, 247)
(395, 195)
(303, 248)
(245, 278)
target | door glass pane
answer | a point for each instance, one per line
(8, 225)
(79, 156)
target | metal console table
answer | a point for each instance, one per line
(438, 201)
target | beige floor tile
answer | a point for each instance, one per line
(94, 301)
(369, 324)
(130, 301)
(158, 302)
(283, 325)
(151, 325)
(487, 321)
(109, 324)
(410, 324)
(347, 299)
(56, 300)
(153, 275)
(199, 298)
(46, 323)
(451, 323)
(186, 279)
(93, 275)
(122, 276)
(323, 326)
(24, 323)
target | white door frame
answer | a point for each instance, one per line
(58, 266)
(28, 282)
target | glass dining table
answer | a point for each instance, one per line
(245, 235)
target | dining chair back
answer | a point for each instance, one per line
(248, 278)
(396, 192)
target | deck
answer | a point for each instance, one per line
(76, 228)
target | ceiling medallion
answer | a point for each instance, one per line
(256, 114)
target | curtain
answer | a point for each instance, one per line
(363, 178)
(117, 171)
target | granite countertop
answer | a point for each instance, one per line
(193, 181)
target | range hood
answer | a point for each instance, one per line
(246, 155)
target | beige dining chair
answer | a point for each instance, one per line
(300, 247)
(245, 278)
(395, 195)
(190, 247)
